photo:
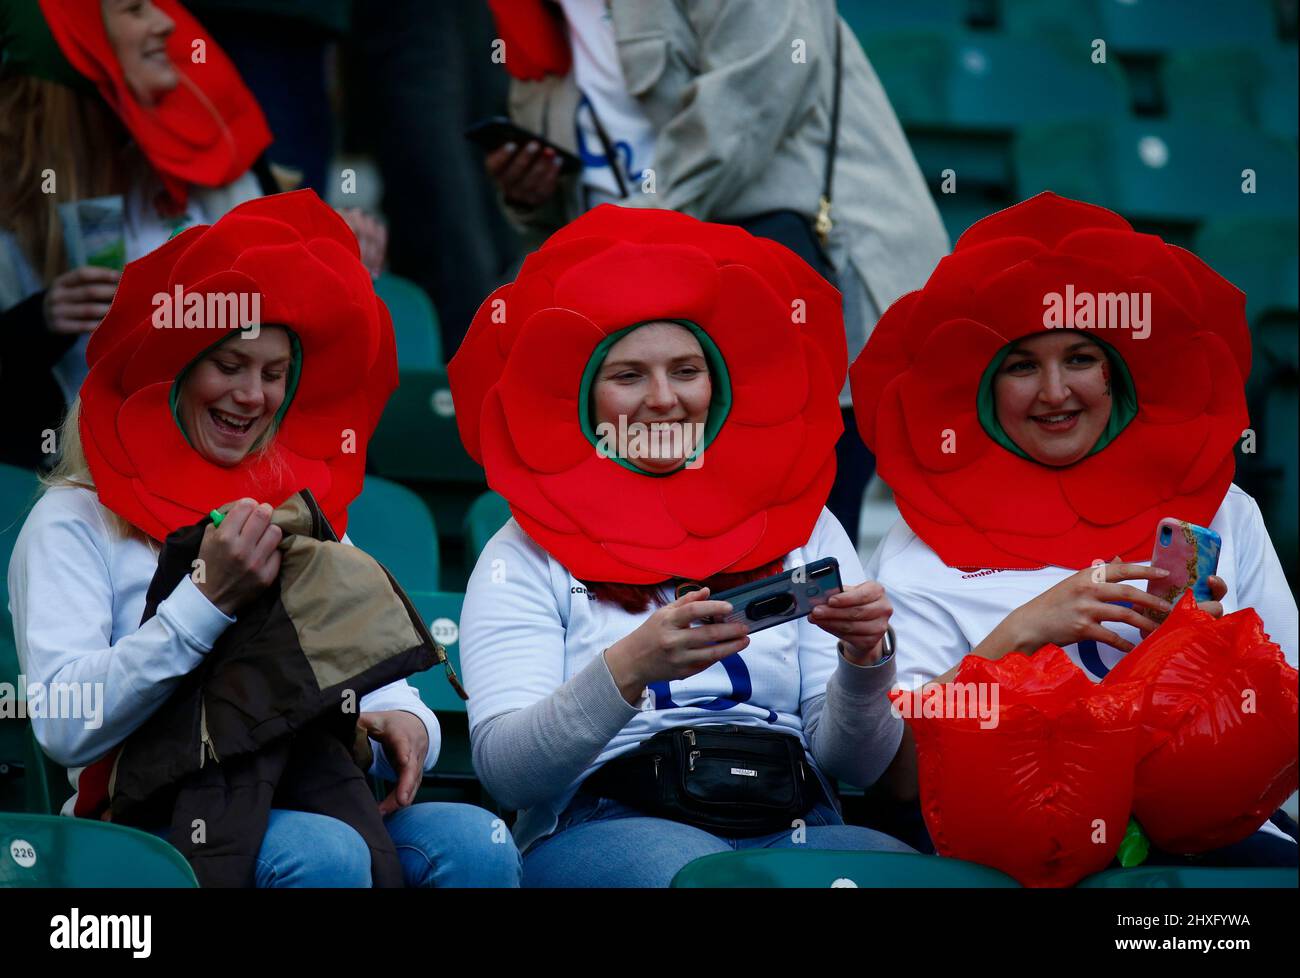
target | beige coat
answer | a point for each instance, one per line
(739, 92)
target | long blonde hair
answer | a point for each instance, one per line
(72, 470)
(48, 126)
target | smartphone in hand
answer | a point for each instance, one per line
(497, 130)
(782, 597)
(1191, 555)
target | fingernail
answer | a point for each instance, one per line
(819, 610)
(1162, 572)
(530, 148)
(726, 606)
(557, 162)
(510, 147)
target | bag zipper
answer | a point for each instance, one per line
(206, 747)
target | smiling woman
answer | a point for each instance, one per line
(228, 402)
(138, 31)
(170, 426)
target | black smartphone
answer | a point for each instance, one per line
(782, 597)
(498, 130)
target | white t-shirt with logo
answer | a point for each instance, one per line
(599, 77)
(942, 613)
(528, 626)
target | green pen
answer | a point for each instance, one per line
(217, 517)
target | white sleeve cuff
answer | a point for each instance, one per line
(194, 617)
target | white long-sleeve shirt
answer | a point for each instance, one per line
(942, 613)
(77, 593)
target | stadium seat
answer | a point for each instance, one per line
(970, 80)
(18, 492)
(392, 524)
(795, 868)
(1144, 27)
(488, 514)
(54, 851)
(1234, 86)
(441, 613)
(47, 786)
(455, 768)
(1189, 877)
(417, 436)
(1259, 255)
(1173, 172)
(961, 94)
(415, 323)
(870, 17)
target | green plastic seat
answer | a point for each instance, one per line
(415, 322)
(1144, 27)
(795, 868)
(869, 17)
(1158, 171)
(417, 436)
(54, 851)
(19, 489)
(488, 514)
(441, 613)
(980, 81)
(392, 524)
(962, 94)
(1259, 255)
(1189, 877)
(1234, 86)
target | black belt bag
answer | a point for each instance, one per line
(730, 780)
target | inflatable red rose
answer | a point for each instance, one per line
(1218, 742)
(1025, 765)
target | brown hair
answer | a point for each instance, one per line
(48, 126)
(636, 598)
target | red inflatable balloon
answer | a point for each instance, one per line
(1026, 765)
(1217, 747)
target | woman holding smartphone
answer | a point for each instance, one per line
(656, 398)
(1059, 386)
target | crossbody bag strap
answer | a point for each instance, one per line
(607, 147)
(823, 223)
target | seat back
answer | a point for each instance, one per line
(794, 868)
(54, 851)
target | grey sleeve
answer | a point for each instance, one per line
(525, 757)
(851, 730)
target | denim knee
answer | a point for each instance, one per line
(305, 849)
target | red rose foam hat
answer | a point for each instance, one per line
(978, 504)
(207, 131)
(762, 479)
(302, 262)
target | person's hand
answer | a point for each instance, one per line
(372, 237)
(1218, 588)
(78, 299)
(528, 177)
(239, 558)
(666, 646)
(1074, 609)
(858, 616)
(406, 744)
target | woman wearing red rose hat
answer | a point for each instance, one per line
(1030, 425)
(585, 675)
(176, 419)
(121, 122)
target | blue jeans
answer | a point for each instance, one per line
(438, 844)
(601, 842)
